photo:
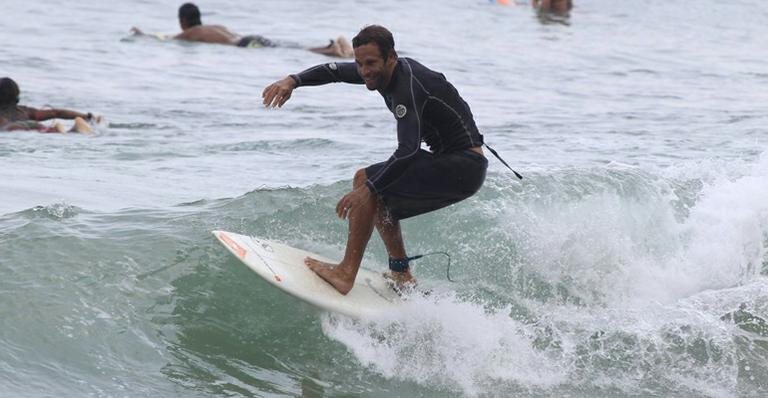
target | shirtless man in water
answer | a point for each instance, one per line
(14, 117)
(192, 29)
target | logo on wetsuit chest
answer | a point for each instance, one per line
(333, 66)
(400, 111)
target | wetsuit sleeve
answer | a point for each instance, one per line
(408, 105)
(333, 72)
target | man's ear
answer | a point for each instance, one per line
(392, 56)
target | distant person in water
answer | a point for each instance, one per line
(192, 29)
(556, 7)
(15, 117)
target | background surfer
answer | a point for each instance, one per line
(18, 117)
(412, 181)
(192, 29)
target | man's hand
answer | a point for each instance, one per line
(278, 92)
(359, 197)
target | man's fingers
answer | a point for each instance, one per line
(340, 208)
(283, 99)
(343, 207)
(275, 98)
(269, 95)
(265, 91)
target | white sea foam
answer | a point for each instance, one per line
(448, 343)
(643, 268)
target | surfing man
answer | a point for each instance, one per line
(192, 29)
(14, 117)
(412, 181)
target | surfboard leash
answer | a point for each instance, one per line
(518, 175)
(447, 267)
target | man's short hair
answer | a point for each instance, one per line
(9, 92)
(190, 14)
(379, 35)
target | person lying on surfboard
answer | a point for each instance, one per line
(15, 117)
(192, 29)
(412, 181)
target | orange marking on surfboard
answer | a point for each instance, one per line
(239, 251)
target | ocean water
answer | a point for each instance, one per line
(631, 261)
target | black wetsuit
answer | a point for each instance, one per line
(427, 108)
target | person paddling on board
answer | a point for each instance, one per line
(14, 117)
(192, 29)
(412, 181)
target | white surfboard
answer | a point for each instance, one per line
(283, 266)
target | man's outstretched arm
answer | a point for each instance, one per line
(277, 93)
(53, 113)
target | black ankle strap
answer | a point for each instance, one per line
(399, 264)
(402, 264)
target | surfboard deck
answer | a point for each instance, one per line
(283, 266)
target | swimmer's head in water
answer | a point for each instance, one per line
(378, 35)
(189, 15)
(9, 92)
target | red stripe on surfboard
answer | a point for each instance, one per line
(239, 251)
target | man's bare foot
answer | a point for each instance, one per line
(402, 281)
(58, 128)
(336, 48)
(345, 47)
(333, 274)
(81, 126)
